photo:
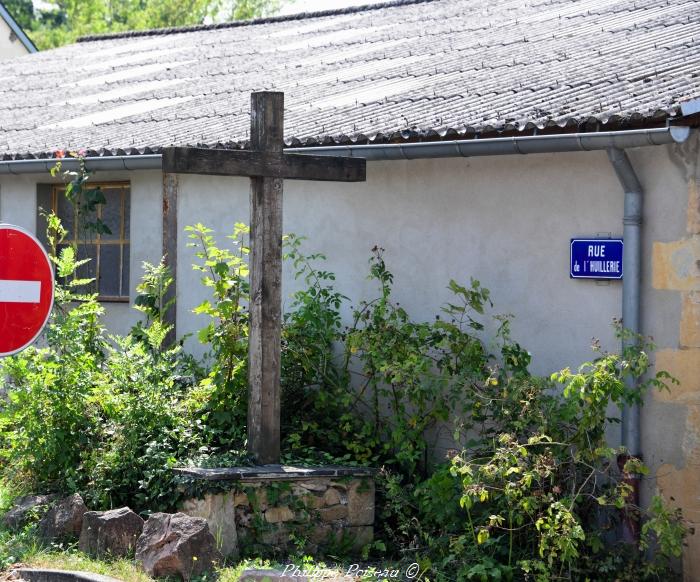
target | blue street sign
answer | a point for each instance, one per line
(599, 258)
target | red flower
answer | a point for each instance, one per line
(59, 154)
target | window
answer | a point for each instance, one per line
(108, 252)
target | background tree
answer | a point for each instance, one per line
(58, 22)
(22, 11)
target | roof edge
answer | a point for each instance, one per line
(531, 144)
(252, 22)
(17, 29)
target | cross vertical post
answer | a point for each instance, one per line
(264, 351)
(267, 165)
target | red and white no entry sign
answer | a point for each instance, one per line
(26, 289)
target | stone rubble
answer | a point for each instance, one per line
(64, 520)
(27, 508)
(112, 532)
(176, 545)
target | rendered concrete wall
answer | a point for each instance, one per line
(10, 45)
(18, 205)
(506, 221)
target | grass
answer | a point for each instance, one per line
(24, 548)
(73, 560)
(122, 569)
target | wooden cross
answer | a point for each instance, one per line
(267, 166)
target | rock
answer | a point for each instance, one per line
(257, 498)
(279, 514)
(244, 517)
(64, 520)
(335, 513)
(220, 512)
(318, 485)
(292, 573)
(240, 498)
(361, 502)
(312, 501)
(27, 508)
(277, 537)
(331, 497)
(111, 532)
(176, 545)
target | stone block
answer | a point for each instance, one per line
(360, 536)
(676, 265)
(220, 512)
(332, 497)
(111, 532)
(276, 535)
(679, 487)
(361, 502)
(685, 366)
(254, 575)
(257, 497)
(693, 206)
(311, 501)
(279, 514)
(64, 521)
(690, 320)
(318, 486)
(27, 508)
(177, 545)
(335, 513)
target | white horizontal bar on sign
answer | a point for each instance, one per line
(20, 291)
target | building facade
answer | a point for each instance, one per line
(376, 76)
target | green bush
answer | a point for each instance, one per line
(103, 415)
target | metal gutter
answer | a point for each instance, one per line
(442, 149)
(105, 163)
(17, 29)
(506, 145)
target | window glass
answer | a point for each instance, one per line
(108, 251)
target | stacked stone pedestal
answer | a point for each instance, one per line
(273, 509)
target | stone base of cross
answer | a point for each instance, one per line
(267, 165)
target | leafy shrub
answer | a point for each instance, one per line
(103, 415)
(223, 394)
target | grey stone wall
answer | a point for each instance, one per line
(315, 514)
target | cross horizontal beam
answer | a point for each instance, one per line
(220, 162)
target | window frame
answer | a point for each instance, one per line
(123, 240)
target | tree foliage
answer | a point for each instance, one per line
(59, 22)
(22, 11)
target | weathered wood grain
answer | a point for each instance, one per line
(272, 165)
(264, 349)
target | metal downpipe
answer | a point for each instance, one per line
(631, 292)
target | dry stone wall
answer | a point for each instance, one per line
(276, 513)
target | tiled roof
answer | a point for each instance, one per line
(407, 70)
